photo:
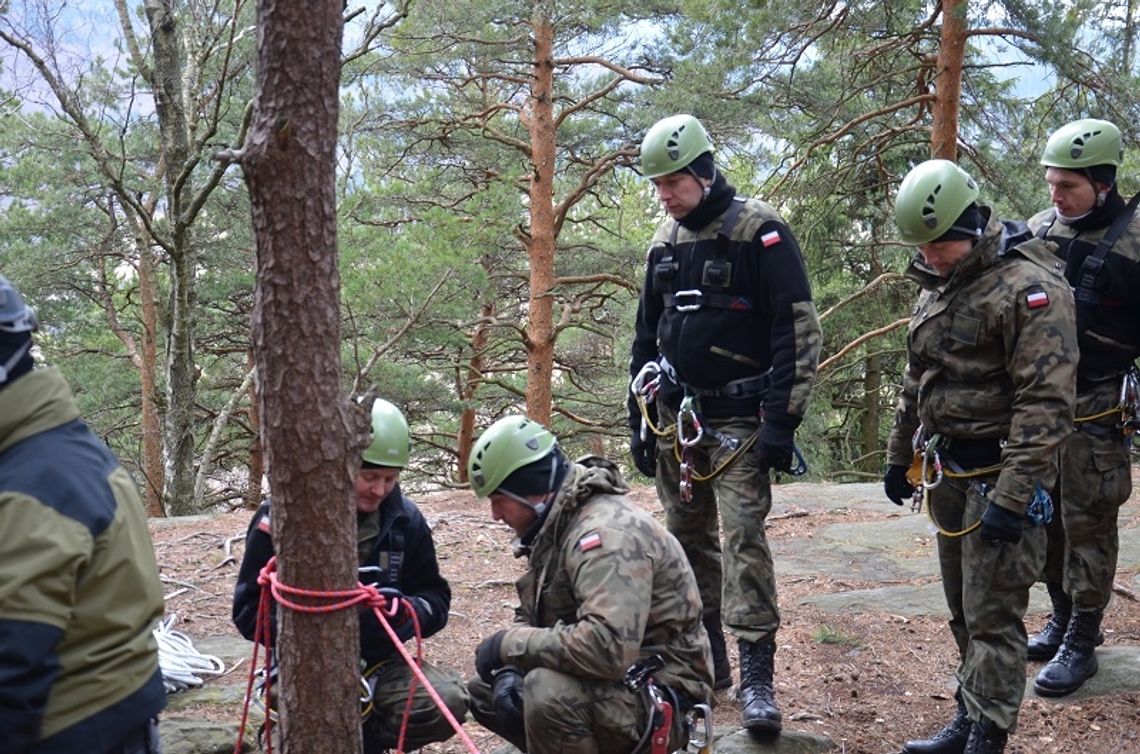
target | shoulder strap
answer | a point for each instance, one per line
(724, 235)
(1085, 288)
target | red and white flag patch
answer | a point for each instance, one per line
(590, 541)
(771, 238)
(1037, 299)
(263, 524)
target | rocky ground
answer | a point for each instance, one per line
(865, 659)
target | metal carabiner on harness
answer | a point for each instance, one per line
(686, 411)
(1130, 402)
(644, 387)
(639, 679)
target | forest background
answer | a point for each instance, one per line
(491, 223)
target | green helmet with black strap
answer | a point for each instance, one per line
(391, 442)
(505, 447)
(1083, 144)
(931, 197)
(671, 144)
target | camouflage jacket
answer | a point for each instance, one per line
(606, 586)
(1109, 329)
(992, 353)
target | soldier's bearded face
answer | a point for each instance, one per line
(518, 516)
(1071, 193)
(679, 192)
(944, 256)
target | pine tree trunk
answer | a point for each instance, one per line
(541, 242)
(310, 430)
(948, 81)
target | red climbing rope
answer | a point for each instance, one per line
(327, 602)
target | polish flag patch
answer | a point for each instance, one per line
(771, 238)
(1037, 299)
(263, 524)
(590, 541)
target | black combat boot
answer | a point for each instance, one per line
(1045, 643)
(722, 670)
(950, 740)
(986, 738)
(1075, 662)
(757, 697)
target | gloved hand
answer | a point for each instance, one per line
(1001, 524)
(644, 453)
(507, 701)
(489, 655)
(774, 448)
(896, 485)
(392, 595)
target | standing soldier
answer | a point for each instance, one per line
(988, 397)
(725, 350)
(1098, 236)
(606, 587)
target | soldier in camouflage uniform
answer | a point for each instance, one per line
(606, 586)
(1103, 266)
(990, 380)
(726, 320)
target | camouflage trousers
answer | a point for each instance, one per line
(426, 724)
(565, 714)
(987, 590)
(740, 584)
(1096, 479)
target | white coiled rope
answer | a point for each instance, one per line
(182, 665)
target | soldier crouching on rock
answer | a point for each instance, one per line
(606, 588)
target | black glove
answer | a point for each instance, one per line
(1001, 524)
(896, 485)
(644, 453)
(507, 701)
(489, 655)
(392, 595)
(774, 448)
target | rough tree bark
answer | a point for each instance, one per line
(948, 81)
(312, 435)
(539, 118)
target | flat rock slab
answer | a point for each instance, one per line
(1119, 674)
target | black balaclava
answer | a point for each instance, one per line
(718, 194)
(541, 477)
(17, 346)
(968, 226)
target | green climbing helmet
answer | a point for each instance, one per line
(391, 443)
(671, 144)
(1082, 144)
(505, 447)
(932, 196)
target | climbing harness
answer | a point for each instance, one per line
(697, 722)
(325, 602)
(928, 470)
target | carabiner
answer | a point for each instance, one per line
(686, 410)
